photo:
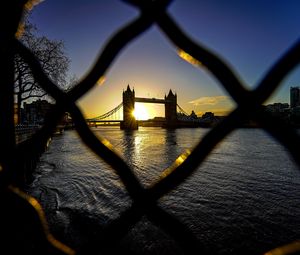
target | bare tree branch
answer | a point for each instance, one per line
(50, 53)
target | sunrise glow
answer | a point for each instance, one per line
(140, 112)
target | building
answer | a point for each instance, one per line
(277, 107)
(193, 115)
(35, 112)
(294, 96)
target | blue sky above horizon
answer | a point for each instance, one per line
(249, 35)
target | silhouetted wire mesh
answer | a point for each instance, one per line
(249, 106)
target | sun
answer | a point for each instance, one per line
(140, 112)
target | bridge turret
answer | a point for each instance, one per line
(170, 109)
(129, 121)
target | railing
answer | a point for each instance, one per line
(24, 132)
(24, 228)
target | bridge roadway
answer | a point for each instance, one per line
(150, 100)
(108, 121)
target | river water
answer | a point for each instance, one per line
(244, 199)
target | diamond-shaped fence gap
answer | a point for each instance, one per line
(241, 196)
(154, 84)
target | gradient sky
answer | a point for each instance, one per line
(249, 35)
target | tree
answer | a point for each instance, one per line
(52, 58)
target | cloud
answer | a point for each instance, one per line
(208, 100)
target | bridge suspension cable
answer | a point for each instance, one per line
(108, 114)
(182, 111)
(182, 115)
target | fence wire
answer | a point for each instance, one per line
(25, 210)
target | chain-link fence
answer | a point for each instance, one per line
(23, 224)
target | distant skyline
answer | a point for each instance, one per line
(249, 35)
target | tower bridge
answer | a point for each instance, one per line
(173, 118)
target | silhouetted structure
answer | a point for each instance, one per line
(35, 112)
(129, 121)
(294, 96)
(170, 109)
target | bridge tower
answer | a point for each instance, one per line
(170, 109)
(129, 122)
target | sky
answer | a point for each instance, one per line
(249, 35)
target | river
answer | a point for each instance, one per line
(244, 199)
